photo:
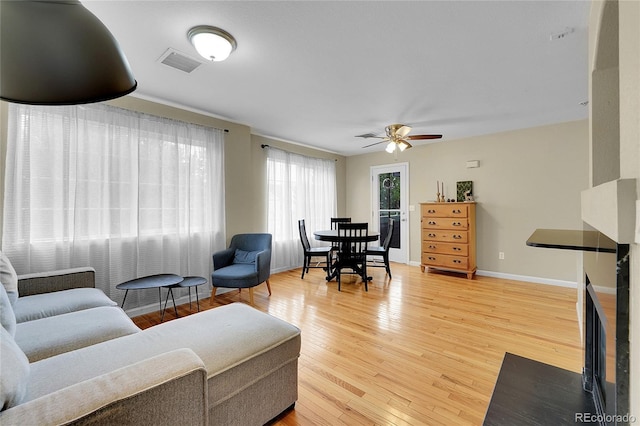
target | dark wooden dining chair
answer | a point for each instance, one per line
(382, 251)
(352, 239)
(311, 252)
(336, 220)
(334, 225)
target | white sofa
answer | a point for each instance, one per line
(72, 356)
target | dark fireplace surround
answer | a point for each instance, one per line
(529, 392)
(610, 394)
(605, 330)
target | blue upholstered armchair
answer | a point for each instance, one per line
(245, 264)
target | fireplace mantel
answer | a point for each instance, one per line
(569, 239)
(611, 209)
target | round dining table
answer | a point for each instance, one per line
(331, 235)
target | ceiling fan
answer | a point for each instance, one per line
(398, 137)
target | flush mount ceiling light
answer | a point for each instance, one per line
(56, 52)
(212, 43)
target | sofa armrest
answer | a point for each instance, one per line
(64, 279)
(167, 389)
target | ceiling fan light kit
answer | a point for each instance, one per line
(212, 43)
(390, 147)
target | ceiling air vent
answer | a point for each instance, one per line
(179, 60)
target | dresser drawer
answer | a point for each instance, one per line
(446, 236)
(445, 261)
(445, 210)
(445, 248)
(445, 223)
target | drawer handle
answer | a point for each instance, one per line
(457, 224)
(432, 235)
(431, 211)
(457, 211)
(457, 261)
(457, 237)
(432, 247)
(431, 222)
(457, 249)
(431, 258)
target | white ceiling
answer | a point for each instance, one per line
(320, 72)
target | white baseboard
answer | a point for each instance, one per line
(527, 278)
(515, 277)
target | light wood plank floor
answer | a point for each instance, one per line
(422, 348)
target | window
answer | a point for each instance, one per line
(299, 187)
(129, 194)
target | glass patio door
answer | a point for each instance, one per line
(389, 195)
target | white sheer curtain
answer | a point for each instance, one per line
(299, 187)
(129, 194)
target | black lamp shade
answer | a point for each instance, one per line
(56, 52)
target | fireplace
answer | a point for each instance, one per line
(606, 331)
(605, 322)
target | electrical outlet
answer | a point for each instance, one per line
(501, 255)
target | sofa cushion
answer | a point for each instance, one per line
(51, 336)
(7, 317)
(237, 343)
(29, 308)
(14, 372)
(8, 278)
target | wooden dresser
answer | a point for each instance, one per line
(449, 237)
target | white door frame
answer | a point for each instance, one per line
(400, 255)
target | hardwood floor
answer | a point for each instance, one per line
(422, 348)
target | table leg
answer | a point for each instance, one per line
(174, 302)
(170, 292)
(125, 298)
(165, 305)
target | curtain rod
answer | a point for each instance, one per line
(263, 146)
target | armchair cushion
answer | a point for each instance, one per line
(14, 372)
(238, 275)
(242, 256)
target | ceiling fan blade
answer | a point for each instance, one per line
(403, 131)
(419, 137)
(376, 143)
(369, 135)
